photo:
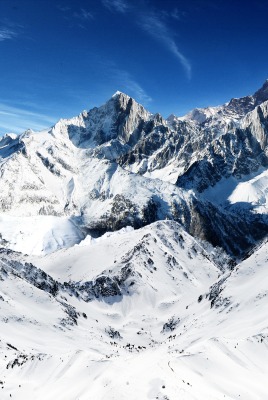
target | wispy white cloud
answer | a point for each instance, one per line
(15, 119)
(76, 17)
(63, 8)
(155, 27)
(120, 6)
(6, 34)
(20, 111)
(131, 87)
(154, 24)
(83, 14)
(177, 14)
(124, 81)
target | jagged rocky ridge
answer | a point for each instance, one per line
(119, 165)
(202, 155)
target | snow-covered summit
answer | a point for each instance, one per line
(120, 94)
(118, 119)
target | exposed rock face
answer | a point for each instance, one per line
(200, 156)
(257, 123)
(235, 154)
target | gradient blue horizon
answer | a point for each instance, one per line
(61, 57)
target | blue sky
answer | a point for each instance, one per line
(58, 58)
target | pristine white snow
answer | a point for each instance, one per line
(250, 191)
(38, 235)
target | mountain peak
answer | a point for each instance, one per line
(264, 86)
(120, 94)
(262, 94)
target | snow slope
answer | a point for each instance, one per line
(38, 235)
(162, 338)
(250, 192)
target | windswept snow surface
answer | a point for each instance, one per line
(250, 192)
(38, 235)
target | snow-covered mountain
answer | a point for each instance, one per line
(133, 254)
(116, 166)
